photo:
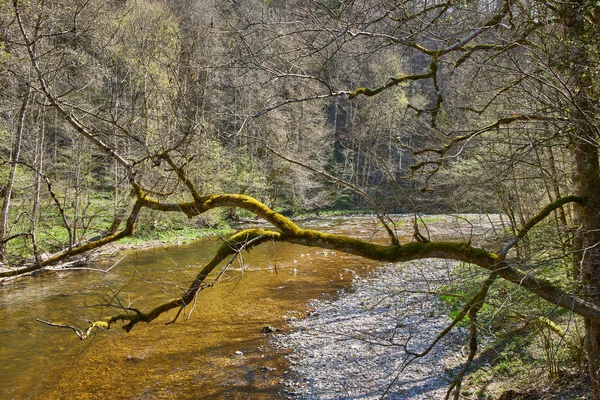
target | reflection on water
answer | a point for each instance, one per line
(220, 352)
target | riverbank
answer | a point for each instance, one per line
(351, 346)
(149, 240)
(360, 344)
(198, 358)
(178, 235)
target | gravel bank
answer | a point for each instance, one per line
(354, 346)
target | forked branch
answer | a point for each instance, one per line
(288, 231)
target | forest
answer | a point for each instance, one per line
(123, 118)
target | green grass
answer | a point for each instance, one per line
(428, 219)
(329, 213)
(176, 235)
(515, 331)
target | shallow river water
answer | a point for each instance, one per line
(195, 359)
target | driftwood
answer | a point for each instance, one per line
(81, 334)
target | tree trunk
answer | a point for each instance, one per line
(588, 186)
(562, 216)
(16, 154)
(586, 180)
(38, 164)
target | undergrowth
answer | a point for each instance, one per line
(525, 344)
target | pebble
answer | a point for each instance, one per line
(237, 354)
(352, 347)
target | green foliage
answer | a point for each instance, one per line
(4, 140)
(519, 335)
(344, 202)
(4, 55)
(241, 175)
(179, 235)
(148, 41)
(151, 78)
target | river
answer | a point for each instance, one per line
(220, 352)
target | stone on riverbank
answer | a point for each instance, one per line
(353, 346)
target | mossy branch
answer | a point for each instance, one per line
(291, 233)
(353, 187)
(497, 94)
(474, 306)
(462, 138)
(81, 334)
(288, 231)
(544, 212)
(390, 83)
(183, 177)
(82, 248)
(245, 240)
(441, 152)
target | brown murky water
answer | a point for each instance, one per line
(188, 360)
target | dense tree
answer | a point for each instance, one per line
(495, 100)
